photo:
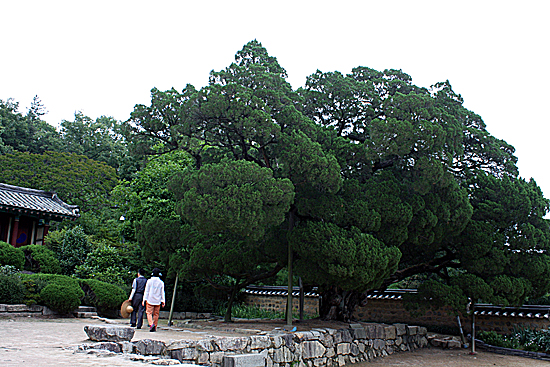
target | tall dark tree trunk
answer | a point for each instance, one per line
(234, 291)
(337, 304)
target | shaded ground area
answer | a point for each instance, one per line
(452, 358)
(50, 342)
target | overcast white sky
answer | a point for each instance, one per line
(103, 57)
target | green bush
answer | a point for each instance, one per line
(10, 255)
(103, 296)
(73, 250)
(522, 338)
(33, 287)
(40, 259)
(104, 263)
(61, 293)
(12, 289)
(498, 340)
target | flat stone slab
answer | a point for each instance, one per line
(109, 333)
(244, 360)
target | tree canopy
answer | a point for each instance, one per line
(75, 178)
(381, 180)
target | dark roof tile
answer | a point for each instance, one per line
(31, 200)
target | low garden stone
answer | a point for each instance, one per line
(109, 333)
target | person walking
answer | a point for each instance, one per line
(136, 297)
(154, 297)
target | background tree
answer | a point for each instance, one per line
(75, 178)
(26, 133)
(101, 140)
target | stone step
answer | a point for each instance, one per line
(85, 315)
(85, 309)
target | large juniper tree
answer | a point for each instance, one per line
(367, 178)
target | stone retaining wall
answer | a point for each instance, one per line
(25, 311)
(318, 347)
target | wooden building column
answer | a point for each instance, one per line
(46, 227)
(15, 231)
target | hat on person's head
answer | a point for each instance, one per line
(156, 272)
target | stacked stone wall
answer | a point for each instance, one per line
(322, 347)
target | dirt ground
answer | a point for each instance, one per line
(50, 342)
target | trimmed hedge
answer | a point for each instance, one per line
(103, 296)
(40, 259)
(10, 255)
(61, 294)
(12, 290)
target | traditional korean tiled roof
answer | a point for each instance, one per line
(31, 202)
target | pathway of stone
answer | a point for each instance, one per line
(51, 342)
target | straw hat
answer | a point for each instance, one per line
(126, 309)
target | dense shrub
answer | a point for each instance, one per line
(73, 250)
(104, 263)
(522, 338)
(11, 289)
(103, 296)
(61, 294)
(33, 287)
(498, 340)
(10, 255)
(40, 259)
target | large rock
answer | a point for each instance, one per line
(149, 347)
(313, 349)
(109, 333)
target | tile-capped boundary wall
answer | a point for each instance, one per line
(318, 347)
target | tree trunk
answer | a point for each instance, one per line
(234, 291)
(337, 304)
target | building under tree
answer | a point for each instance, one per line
(25, 214)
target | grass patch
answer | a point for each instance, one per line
(255, 312)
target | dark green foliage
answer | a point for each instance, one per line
(61, 294)
(101, 140)
(26, 133)
(524, 338)
(10, 255)
(59, 298)
(104, 263)
(498, 340)
(386, 180)
(239, 197)
(33, 287)
(75, 178)
(40, 259)
(73, 250)
(103, 296)
(12, 290)
(348, 259)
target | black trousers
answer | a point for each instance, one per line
(137, 300)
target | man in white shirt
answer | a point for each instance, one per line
(153, 298)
